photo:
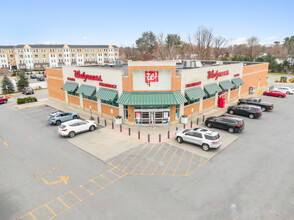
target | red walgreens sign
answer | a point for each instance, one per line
(71, 79)
(212, 74)
(151, 76)
(107, 85)
(86, 76)
(193, 84)
(238, 74)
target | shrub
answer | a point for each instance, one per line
(26, 100)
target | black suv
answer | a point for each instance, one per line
(265, 106)
(231, 124)
(250, 111)
(27, 90)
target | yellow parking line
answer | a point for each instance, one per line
(161, 160)
(142, 159)
(152, 158)
(86, 189)
(172, 157)
(53, 213)
(190, 164)
(31, 214)
(74, 195)
(199, 165)
(97, 184)
(124, 158)
(106, 178)
(179, 163)
(5, 143)
(112, 161)
(114, 173)
(63, 202)
(132, 160)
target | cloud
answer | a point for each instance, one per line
(270, 38)
(240, 40)
(85, 38)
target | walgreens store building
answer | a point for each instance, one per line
(154, 92)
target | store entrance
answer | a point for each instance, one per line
(152, 116)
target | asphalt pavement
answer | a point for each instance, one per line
(44, 176)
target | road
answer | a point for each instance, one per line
(253, 178)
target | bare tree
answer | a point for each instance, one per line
(253, 47)
(203, 38)
(219, 43)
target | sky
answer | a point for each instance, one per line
(122, 22)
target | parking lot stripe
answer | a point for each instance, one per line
(179, 163)
(5, 143)
(189, 164)
(63, 202)
(161, 160)
(31, 214)
(170, 160)
(142, 159)
(86, 189)
(74, 195)
(124, 158)
(106, 178)
(199, 165)
(152, 159)
(53, 213)
(137, 154)
(114, 173)
(97, 184)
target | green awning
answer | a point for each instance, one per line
(195, 93)
(238, 81)
(106, 94)
(151, 98)
(86, 90)
(213, 88)
(70, 86)
(226, 85)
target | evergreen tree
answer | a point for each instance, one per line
(7, 82)
(22, 82)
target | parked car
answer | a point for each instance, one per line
(73, 127)
(250, 111)
(3, 99)
(231, 124)
(286, 90)
(265, 106)
(56, 118)
(33, 76)
(27, 90)
(40, 78)
(275, 93)
(205, 138)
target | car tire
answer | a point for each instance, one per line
(231, 130)
(75, 117)
(5, 101)
(251, 116)
(209, 124)
(179, 139)
(231, 112)
(205, 147)
(58, 122)
(280, 96)
(287, 93)
(33, 92)
(266, 94)
(263, 109)
(72, 134)
(92, 128)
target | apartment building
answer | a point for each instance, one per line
(40, 56)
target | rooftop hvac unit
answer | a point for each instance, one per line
(219, 63)
(118, 63)
(198, 63)
(193, 64)
(187, 64)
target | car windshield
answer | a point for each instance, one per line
(62, 126)
(211, 137)
(1, 97)
(256, 109)
(184, 131)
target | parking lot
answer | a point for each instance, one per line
(46, 176)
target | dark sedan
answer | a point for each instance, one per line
(231, 124)
(265, 106)
(250, 111)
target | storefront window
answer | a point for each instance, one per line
(73, 93)
(237, 87)
(93, 98)
(113, 103)
(177, 111)
(126, 112)
(190, 101)
(152, 107)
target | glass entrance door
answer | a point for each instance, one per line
(152, 116)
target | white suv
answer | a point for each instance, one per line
(286, 90)
(205, 138)
(72, 127)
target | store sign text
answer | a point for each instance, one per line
(86, 76)
(151, 76)
(193, 84)
(107, 85)
(238, 74)
(71, 79)
(212, 74)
